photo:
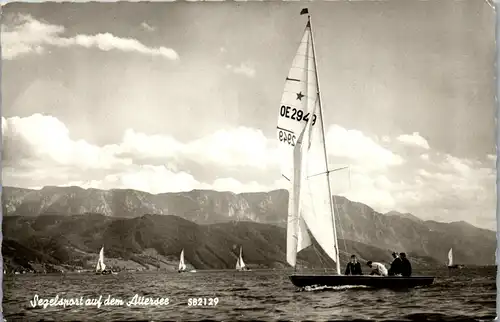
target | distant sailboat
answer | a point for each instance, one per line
(300, 130)
(182, 264)
(450, 260)
(100, 268)
(240, 264)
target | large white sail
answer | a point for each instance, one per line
(240, 264)
(100, 262)
(182, 265)
(450, 257)
(305, 165)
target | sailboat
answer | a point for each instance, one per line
(100, 268)
(450, 260)
(240, 264)
(182, 264)
(304, 163)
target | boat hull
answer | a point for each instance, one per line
(105, 272)
(361, 280)
(455, 266)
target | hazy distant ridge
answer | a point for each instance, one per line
(72, 242)
(359, 222)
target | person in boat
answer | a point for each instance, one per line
(405, 266)
(395, 268)
(377, 268)
(353, 267)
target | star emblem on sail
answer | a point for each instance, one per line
(304, 161)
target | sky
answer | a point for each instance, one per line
(166, 97)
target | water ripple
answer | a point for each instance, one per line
(257, 295)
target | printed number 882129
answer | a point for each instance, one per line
(203, 301)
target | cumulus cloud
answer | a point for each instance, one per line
(460, 189)
(359, 148)
(43, 146)
(153, 179)
(23, 35)
(39, 150)
(243, 69)
(414, 139)
(240, 147)
(46, 139)
(230, 184)
(158, 179)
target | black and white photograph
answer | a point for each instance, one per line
(249, 161)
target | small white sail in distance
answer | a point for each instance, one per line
(100, 262)
(310, 201)
(182, 265)
(240, 264)
(450, 257)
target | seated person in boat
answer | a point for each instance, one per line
(405, 266)
(377, 268)
(353, 267)
(395, 268)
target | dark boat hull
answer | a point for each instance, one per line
(361, 280)
(105, 272)
(455, 266)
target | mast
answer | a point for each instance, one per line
(337, 262)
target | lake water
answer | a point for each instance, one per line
(255, 295)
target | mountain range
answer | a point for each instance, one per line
(59, 225)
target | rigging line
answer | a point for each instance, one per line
(319, 257)
(327, 172)
(340, 222)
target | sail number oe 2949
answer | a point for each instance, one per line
(295, 114)
(292, 113)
